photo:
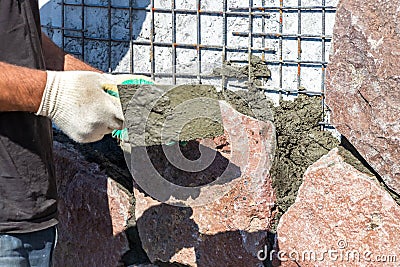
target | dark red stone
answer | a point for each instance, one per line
(93, 211)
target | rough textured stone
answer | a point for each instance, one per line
(143, 265)
(93, 211)
(343, 210)
(363, 82)
(230, 230)
(300, 143)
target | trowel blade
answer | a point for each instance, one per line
(160, 114)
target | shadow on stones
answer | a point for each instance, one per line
(109, 156)
(354, 158)
(164, 179)
(191, 152)
(110, 159)
(179, 231)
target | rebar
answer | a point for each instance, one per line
(272, 54)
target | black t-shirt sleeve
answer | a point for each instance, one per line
(20, 33)
(27, 181)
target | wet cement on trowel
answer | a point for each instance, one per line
(184, 112)
(158, 115)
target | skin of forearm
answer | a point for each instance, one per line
(21, 89)
(56, 59)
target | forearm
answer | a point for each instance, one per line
(57, 59)
(21, 89)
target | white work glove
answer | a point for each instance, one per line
(122, 135)
(76, 102)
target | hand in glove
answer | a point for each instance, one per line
(124, 79)
(112, 89)
(76, 102)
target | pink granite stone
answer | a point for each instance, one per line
(363, 82)
(230, 229)
(341, 217)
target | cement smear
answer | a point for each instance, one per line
(256, 70)
(165, 114)
(300, 143)
(251, 102)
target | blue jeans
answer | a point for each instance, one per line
(28, 249)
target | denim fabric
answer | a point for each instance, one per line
(28, 249)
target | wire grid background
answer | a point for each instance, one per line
(292, 36)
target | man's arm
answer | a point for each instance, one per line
(56, 59)
(74, 100)
(21, 89)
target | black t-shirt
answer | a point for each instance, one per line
(27, 180)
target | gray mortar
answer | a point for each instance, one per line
(257, 70)
(300, 143)
(250, 102)
(165, 114)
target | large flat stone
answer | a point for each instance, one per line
(341, 217)
(232, 226)
(363, 82)
(93, 210)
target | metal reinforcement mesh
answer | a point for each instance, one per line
(292, 36)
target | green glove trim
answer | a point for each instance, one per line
(112, 93)
(123, 134)
(137, 81)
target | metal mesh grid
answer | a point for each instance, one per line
(262, 40)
